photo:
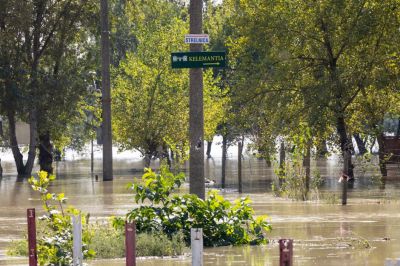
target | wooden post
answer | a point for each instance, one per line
(106, 94)
(240, 149)
(32, 237)
(196, 243)
(196, 115)
(77, 240)
(130, 243)
(285, 252)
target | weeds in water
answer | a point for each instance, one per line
(330, 198)
(109, 243)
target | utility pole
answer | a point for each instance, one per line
(106, 94)
(196, 117)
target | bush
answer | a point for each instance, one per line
(54, 243)
(223, 223)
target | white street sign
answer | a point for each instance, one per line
(197, 38)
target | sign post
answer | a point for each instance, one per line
(32, 252)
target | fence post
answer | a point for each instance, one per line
(196, 237)
(285, 252)
(77, 240)
(32, 237)
(130, 243)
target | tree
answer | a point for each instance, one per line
(40, 55)
(150, 98)
(315, 58)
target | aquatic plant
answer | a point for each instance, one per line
(223, 223)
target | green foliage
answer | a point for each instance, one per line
(293, 181)
(18, 248)
(159, 244)
(223, 223)
(55, 243)
(108, 241)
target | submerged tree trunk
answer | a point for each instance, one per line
(45, 153)
(282, 162)
(307, 166)
(360, 144)
(346, 147)
(223, 165)
(18, 158)
(240, 151)
(382, 161)
(209, 144)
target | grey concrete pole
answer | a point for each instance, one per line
(196, 116)
(196, 244)
(106, 94)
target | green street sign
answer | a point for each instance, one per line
(198, 59)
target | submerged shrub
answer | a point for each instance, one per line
(223, 223)
(109, 242)
(54, 244)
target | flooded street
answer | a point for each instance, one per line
(323, 231)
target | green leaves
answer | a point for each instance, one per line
(222, 222)
(55, 247)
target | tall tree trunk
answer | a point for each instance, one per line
(360, 144)
(209, 145)
(307, 166)
(18, 158)
(382, 161)
(282, 162)
(345, 145)
(32, 141)
(240, 151)
(223, 164)
(45, 153)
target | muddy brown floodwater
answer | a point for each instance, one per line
(324, 233)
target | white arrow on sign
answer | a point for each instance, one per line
(197, 38)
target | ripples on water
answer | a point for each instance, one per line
(317, 227)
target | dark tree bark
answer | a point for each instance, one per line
(223, 165)
(240, 151)
(346, 146)
(18, 158)
(209, 145)
(282, 162)
(382, 162)
(360, 144)
(307, 166)
(45, 153)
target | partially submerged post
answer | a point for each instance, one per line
(196, 243)
(32, 252)
(77, 240)
(285, 252)
(130, 243)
